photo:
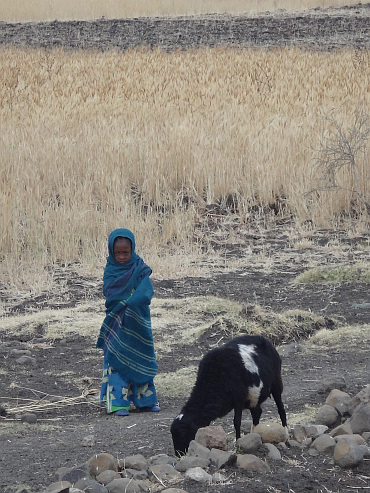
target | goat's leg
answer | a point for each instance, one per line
(256, 414)
(276, 394)
(238, 420)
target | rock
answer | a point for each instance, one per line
(165, 472)
(347, 455)
(29, 418)
(360, 420)
(135, 474)
(198, 450)
(26, 361)
(137, 462)
(188, 462)
(303, 431)
(58, 487)
(88, 441)
(101, 462)
(123, 485)
(20, 352)
(250, 443)
(162, 459)
(212, 437)
(365, 451)
(287, 349)
(222, 458)
(90, 486)
(107, 476)
(71, 474)
(294, 444)
(272, 451)
(271, 432)
(324, 444)
(340, 400)
(330, 383)
(362, 396)
(198, 474)
(173, 490)
(327, 415)
(343, 429)
(2, 411)
(250, 462)
(352, 438)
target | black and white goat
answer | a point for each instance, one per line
(239, 375)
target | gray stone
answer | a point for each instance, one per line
(71, 474)
(360, 420)
(198, 450)
(347, 455)
(340, 400)
(88, 441)
(351, 438)
(361, 397)
(198, 474)
(212, 437)
(249, 443)
(303, 431)
(90, 486)
(173, 490)
(20, 352)
(251, 462)
(330, 383)
(58, 487)
(365, 451)
(324, 444)
(26, 361)
(137, 462)
(123, 485)
(272, 451)
(107, 477)
(188, 462)
(162, 459)
(246, 426)
(29, 418)
(135, 474)
(287, 349)
(165, 471)
(327, 415)
(222, 458)
(343, 429)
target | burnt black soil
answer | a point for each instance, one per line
(30, 454)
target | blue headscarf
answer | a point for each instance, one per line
(126, 334)
(113, 269)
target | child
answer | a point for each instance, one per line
(126, 334)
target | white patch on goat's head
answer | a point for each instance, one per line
(246, 353)
(254, 393)
(179, 417)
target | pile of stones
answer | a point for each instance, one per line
(341, 430)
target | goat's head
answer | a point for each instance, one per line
(183, 431)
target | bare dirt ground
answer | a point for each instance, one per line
(30, 454)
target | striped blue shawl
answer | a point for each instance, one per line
(126, 333)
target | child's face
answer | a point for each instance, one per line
(122, 249)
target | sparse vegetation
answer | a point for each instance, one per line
(340, 273)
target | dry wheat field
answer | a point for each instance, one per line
(150, 138)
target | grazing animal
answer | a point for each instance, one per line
(239, 375)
